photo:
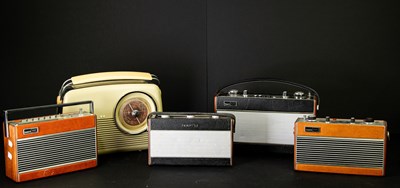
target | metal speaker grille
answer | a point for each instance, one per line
(56, 149)
(348, 152)
(111, 138)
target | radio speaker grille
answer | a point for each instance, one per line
(56, 149)
(111, 138)
(349, 152)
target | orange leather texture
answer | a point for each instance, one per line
(56, 170)
(342, 130)
(58, 126)
(45, 128)
(340, 170)
(11, 164)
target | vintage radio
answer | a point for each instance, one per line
(44, 146)
(180, 138)
(262, 115)
(122, 101)
(345, 146)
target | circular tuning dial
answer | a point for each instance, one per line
(132, 111)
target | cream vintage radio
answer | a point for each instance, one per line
(190, 138)
(265, 110)
(38, 147)
(122, 102)
(345, 146)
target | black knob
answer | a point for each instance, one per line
(327, 119)
(352, 120)
(311, 118)
(369, 120)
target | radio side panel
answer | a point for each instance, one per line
(10, 154)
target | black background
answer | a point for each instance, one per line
(346, 50)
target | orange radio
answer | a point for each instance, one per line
(49, 145)
(344, 146)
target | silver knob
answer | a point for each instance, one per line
(245, 93)
(284, 95)
(298, 95)
(233, 92)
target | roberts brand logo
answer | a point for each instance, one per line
(31, 130)
(193, 125)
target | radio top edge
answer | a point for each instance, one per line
(49, 118)
(284, 95)
(351, 121)
(190, 115)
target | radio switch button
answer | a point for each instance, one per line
(9, 155)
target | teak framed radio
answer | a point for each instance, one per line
(345, 146)
(39, 147)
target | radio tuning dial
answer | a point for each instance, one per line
(132, 111)
(298, 95)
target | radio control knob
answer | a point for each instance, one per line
(311, 118)
(245, 93)
(233, 92)
(284, 95)
(369, 120)
(352, 120)
(298, 95)
(327, 119)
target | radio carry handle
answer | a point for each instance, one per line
(6, 112)
(273, 80)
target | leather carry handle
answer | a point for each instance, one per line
(7, 112)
